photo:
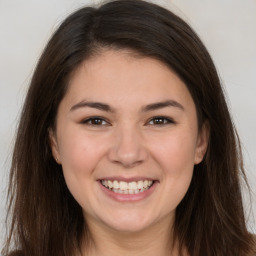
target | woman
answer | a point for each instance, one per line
(125, 144)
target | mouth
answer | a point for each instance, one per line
(131, 188)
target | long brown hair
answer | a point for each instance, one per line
(45, 218)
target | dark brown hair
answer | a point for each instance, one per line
(45, 218)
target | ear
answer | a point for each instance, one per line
(202, 142)
(54, 145)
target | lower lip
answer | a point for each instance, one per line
(129, 197)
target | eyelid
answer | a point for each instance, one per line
(87, 121)
(167, 120)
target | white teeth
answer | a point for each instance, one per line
(109, 184)
(115, 184)
(145, 183)
(140, 184)
(136, 191)
(123, 187)
(132, 185)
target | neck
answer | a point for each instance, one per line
(155, 240)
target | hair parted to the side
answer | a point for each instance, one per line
(45, 218)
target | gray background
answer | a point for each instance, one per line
(227, 27)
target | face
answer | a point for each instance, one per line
(127, 139)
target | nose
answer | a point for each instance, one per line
(128, 148)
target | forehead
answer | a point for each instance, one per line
(123, 76)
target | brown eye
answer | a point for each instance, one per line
(160, 121)
(95, 121)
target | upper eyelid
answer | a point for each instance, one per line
(85, 120)
(169, 119)
(163, 117)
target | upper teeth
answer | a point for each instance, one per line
(122, 185)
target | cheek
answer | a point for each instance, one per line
(176, 158)
(176, 152)
(78, 150)
(80, 155)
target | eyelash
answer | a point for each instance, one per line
(157, 120)
(161, 121)
(89, 121)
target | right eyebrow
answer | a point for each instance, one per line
(91, 104)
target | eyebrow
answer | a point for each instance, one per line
(97, 105)
(162, 104)
(107, 108)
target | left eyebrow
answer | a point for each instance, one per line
(162, 104)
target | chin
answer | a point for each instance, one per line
(129, 222)
(128, 227)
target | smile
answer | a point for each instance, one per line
(122, 187)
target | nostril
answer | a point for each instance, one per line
(128, 154)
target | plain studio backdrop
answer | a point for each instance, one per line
(227, 27)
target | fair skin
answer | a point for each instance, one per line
(128, 122)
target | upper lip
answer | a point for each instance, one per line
(127, 179)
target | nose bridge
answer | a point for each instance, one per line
(128, 148)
